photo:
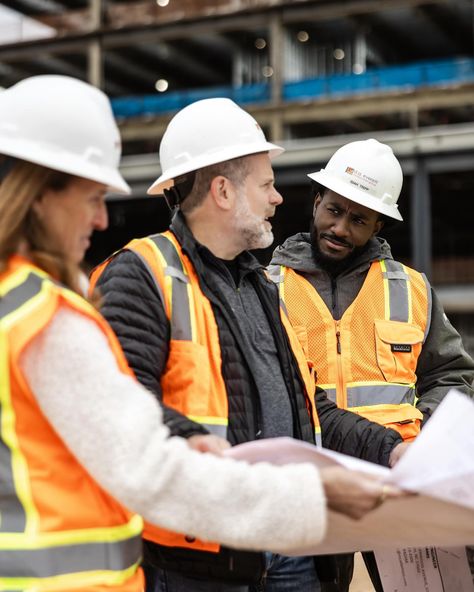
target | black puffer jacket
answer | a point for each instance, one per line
(133, 308)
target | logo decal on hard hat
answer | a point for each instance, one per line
(361, 178)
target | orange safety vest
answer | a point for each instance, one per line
(192, 381)
(59, 530)
(366, 361)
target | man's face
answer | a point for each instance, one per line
(341, 226)
(256, 202)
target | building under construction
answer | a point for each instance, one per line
(316, 74)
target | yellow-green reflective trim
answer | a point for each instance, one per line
(165, 297)
(332, 386)
(179, 293)
(115, 550)
(72, 581)
(385, 290)
(19, 466)
(35, 559)
(409, 296)
(192, 312)
(12, 512)
(13, 281)
(107, 534)
(318, 437)
(215, 425)
(209, 419)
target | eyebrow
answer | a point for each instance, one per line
(354, 213)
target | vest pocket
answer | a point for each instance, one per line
(398, 346)
(186, 379)
(405, 418)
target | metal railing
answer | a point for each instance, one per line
(373, 81)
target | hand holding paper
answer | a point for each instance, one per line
(441, 469)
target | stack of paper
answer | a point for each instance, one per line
(438, 466)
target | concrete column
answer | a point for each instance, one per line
(276, 80)
(95, 64)
(421, 229)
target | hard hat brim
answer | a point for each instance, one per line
(354, 194)
(166, 180)
(65, 163)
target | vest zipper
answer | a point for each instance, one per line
(341, 395)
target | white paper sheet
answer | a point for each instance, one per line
(439, 465)
(283, 451)
(427, 569)
(440, 462)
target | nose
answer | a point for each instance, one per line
(276, 198)
(101, 219)
(340, 226)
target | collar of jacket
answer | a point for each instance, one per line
(198, 253)
(296, 253)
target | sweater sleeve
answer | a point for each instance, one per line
(351, 434)
(132, 306)
(114, 428)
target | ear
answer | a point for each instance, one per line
(378, 227)
(317, 200)
(37, 206)
(222, 192)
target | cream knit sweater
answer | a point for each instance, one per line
(114, 427)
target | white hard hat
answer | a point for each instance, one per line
(366, 172)
(208, 132)
(64, 124)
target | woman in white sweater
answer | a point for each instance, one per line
(84, 445)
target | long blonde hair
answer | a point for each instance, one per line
(20, 226)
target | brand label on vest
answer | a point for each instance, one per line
(401, 347)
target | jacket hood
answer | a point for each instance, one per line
(296, 253)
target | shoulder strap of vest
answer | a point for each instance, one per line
(429, 302)
(398, 295)
(397, 291)
(19, 290)
(276, 274)
(175, 292)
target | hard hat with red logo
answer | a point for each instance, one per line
(366, 172)
(208, 132)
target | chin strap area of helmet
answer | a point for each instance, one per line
(176, 194)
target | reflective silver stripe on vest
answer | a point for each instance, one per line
(380, 394)
(331, 393)
(152, 276)
(398, 286)
(57, 559)
(275, 272)
(12, 513)
(318, 438)
(19, 295)
(180, 321)
(67, 559)
(217, 430)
